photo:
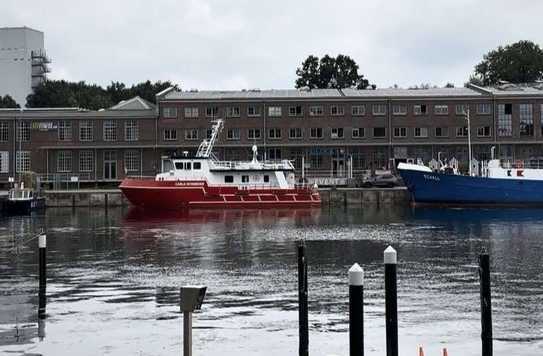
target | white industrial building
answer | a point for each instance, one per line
(23, 62)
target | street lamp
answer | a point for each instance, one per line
(192, 298)
(466, 114)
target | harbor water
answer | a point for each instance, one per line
(114, 277)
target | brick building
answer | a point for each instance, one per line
(334, 132)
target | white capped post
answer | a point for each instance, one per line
(42, 241)
(356, 275)
(390, 256)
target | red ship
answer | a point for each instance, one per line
(202, 181)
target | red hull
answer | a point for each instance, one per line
(172, 195)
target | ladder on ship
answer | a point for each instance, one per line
(206, 147)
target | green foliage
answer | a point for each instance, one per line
(329, 72)
(8, 102)
(520, 62)
(60, 93)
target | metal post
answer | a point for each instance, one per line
(303, 318)
(356, 310)
(469, 142)
(391, 306)
(303, 166)
(486, 305)
(187, 333)
(42, 244)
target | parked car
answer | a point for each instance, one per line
(382, 181)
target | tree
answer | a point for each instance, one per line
(520, 62)
(60, 93)
(8, 102)
(329, 72)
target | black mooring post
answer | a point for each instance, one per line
(302, 301)
(391, 303)
(486, 305)
(42, 261)
(356, 310)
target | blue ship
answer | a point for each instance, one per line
(498, 186)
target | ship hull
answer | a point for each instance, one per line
(429, 188)
(174, 195)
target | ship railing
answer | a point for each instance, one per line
(534, 163)
(140, 177)
(275, 164)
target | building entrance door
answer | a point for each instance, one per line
(338, 167)
(110, 165)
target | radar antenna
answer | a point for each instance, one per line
(206, 147)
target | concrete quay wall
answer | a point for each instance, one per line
(329, 196)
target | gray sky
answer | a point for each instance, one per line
(236, 44)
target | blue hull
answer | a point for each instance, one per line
(438, 188)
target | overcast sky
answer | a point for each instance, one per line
(236, 44)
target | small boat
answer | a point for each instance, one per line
(21, 200)
(202, 181)
(497, 186)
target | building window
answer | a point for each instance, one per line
(379, 132)
(86, 129)
(191, 134)
(337, 110)
(110, 130)
(232, 111)
(170, 134)
(420, 132)
(274, 111)
(526, 120)
(484, 131)
(336, 133)
(232, 134)
(4, 161)
(505, 127)
(22, 161)
(315, 111)
(86, 161)
(274, 153)
(379, 109)
(169, 112)
(420, 109)
(131, 131)
(295, 133)
(358, 132)
(253, 111)
(4, 131)
(191, 113)
(295, 110)
(400, 132)
(253, 134)
(315, 132)
(461, 109)
(23, 131)
(274, 134)
(462, 131)
(484, 108)
(209, 132)
(132, 160)
(64, 161)
(442, 132)
(212, 111)
(358, 110)
(399, 109)
(64, 130)
(441, 109)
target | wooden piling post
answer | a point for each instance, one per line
(303, 318)
(391, 303)
(486, 304)
(356, 310)
(42, 262)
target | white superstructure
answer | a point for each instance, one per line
(23, 62)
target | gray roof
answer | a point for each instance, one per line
(253, 94)
(74, 113)
(508, 89)
(408, 93)
(136, 103)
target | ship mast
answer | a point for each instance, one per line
(206, 147)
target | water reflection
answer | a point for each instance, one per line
(113, 268)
